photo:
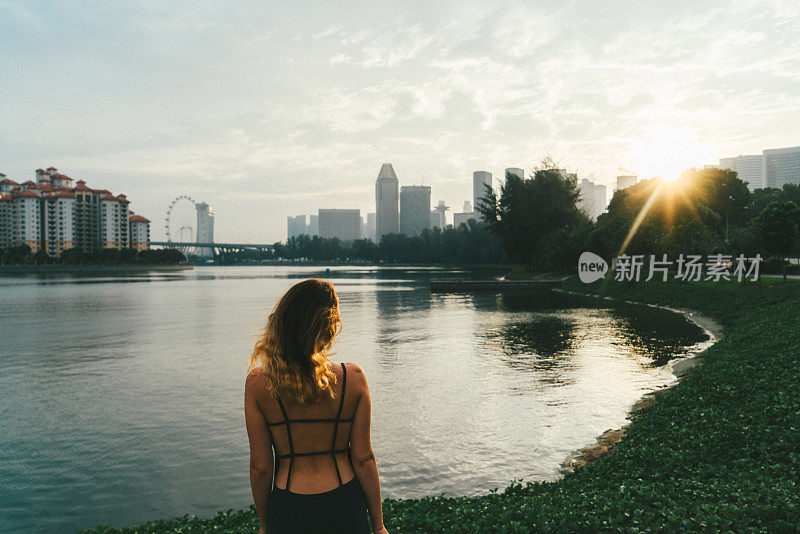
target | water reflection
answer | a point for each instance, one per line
(657, 335)
(136, 389)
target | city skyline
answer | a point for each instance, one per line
(271, 111)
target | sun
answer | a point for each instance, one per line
(666, 153)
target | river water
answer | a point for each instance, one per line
(121, 397)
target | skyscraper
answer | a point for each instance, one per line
(516, 172)
(295, 226)
(386, 216)
(344, 224)
(415, 208)
(626, 180)
(750, 169)
(438, 215)
(480, 179)
(313, 225)
(464, 216)
(592, 198)
(781, 166)
(370, 233)
(205, 228)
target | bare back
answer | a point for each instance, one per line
(305, 445)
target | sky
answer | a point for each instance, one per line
(265, 110)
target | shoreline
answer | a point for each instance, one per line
(13, 270)
(679, 367)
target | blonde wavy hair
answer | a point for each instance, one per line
(294, 347)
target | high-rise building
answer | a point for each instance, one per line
(370, 226)
(565, 174)
(313, 225)
(516, 172)
(296, 226)
(114, 221)
(626, 180)
(592, 198)
(462, 218)
(439, 215)
(781, 166)
(140, 232)
(386, 215)
(480, 180)
(205, 229)
(415, 208)
(750, 169)
(344, 224)
(52, 216)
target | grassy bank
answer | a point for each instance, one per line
(719, 452)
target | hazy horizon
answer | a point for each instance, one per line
(269, 111)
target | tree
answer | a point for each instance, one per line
(691, 215)
(779, 226)
(73, 256)
(109, 256)
(41, 257)
(531, 214)
(18, 255)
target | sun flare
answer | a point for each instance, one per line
(666, 153)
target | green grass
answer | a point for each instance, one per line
(720, 452)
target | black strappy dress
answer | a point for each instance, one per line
(340, 510)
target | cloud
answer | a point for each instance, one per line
(287, 105)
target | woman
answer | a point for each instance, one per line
(315, 416)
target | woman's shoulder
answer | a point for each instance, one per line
(353, 369)
(355, 374)
(255, 377)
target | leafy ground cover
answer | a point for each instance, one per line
(719, 452)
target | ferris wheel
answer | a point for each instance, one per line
(182, 198)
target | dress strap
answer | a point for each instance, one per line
(291, 445)
(336, 424)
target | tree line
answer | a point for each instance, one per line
(22, 255)
(468, 244)
(704, 211)
(537, 221)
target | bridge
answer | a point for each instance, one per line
(220, 250)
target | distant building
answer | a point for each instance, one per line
(205, 229)
(6, 226)
(516, 172)
(462, 218)
(343, 224)
(296, 226)
(415, 208)
(140, 233)
(480, 179)
(626, 180)
(750, 169)
(592, 198)
(51, 215)
(565, 174)
(386, 214)
(313, 225)
(114, 223)
(370, 227)
(781, 167)
(438, 215)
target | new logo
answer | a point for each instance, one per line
(591, 267)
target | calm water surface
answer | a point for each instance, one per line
(122, 397)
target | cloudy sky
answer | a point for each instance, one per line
(265, 109)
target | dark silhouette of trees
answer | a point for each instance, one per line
(779, 227)
(537, 218)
